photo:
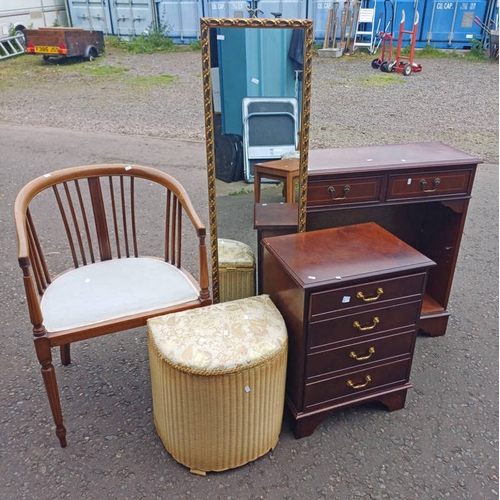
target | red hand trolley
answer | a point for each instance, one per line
(405, 64)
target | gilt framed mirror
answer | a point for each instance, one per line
(252, 56)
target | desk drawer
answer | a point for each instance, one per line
(428, 184)
(366, 294)
(342, 191)
(357, 383)
(356, 356)
(355, 326)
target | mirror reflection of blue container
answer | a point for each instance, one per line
(268, 72)
(181, 17)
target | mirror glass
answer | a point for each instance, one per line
(256, 87)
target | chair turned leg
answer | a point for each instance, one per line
(65, 354)
(49, 378)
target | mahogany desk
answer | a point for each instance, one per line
(419, 192)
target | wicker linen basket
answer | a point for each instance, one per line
(218, 382)
(236, 270)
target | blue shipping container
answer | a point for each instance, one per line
(289, 9)
(181, 17)
(451, 24)
(113, 17)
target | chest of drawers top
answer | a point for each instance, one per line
(338, 257)
(420, 155)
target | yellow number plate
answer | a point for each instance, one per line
(44, 49)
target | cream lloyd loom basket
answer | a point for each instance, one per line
(236, 270)
(218, 382)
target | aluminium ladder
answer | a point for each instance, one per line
(11, 46)
(366, 19)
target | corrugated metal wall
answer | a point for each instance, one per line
(442, 24)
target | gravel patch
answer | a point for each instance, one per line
(451, 100)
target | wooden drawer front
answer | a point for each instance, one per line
(358, 355)
(424, 185)
(355, 326)
(357, 383)
(341, 191)
(365, 294)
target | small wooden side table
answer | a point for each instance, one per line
(286, 171)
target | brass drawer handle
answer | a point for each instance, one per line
(362, 358)
(373, 298)
(357, 324)
(331, 192)
(423, 184)
(350, 383)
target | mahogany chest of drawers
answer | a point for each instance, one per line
(351, 298)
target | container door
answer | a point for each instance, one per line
(90, 15)
(451, 24)
(131, 17)
(181, 17)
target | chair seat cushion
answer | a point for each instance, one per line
(113, 289)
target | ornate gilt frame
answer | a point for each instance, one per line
(205, 25)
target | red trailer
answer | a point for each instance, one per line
(64, 42)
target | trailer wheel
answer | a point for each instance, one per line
(376, 64)
(45, 57)
(22, 37)
(92, 54)
(407, 69)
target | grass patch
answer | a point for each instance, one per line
(476, 53)
(26, 70)
(103, 71)
(154, 39)
(379, 79)
(152, 81)
(428, 52)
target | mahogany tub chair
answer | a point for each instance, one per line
(102, 275)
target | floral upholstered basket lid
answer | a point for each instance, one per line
(221, 337)
(235, 253)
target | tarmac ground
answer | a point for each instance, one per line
(443, 444)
